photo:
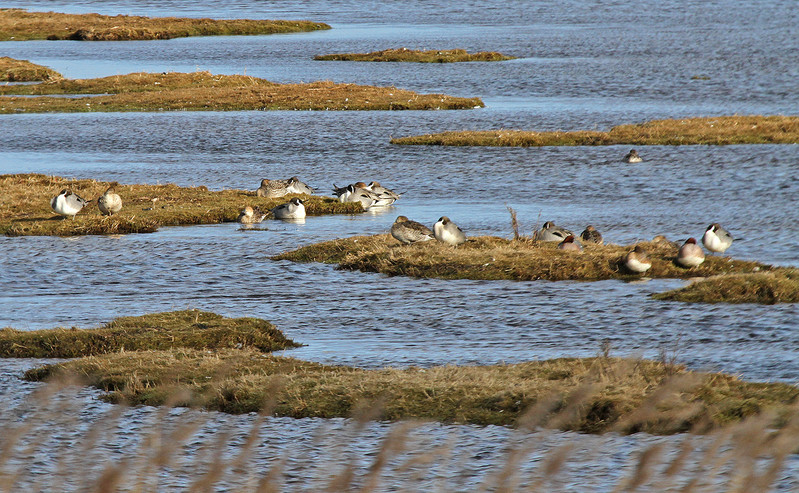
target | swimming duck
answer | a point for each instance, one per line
(716, 239)
(407, 231)
(690, 254)
(372, 195)
(637, 260)
(109, 202)
(448, 232)
(550, 232)
(250, 215)
(632, 157)
(591, 235)
(67, 203)
(382, 191)
(569, 245)
(293, 209)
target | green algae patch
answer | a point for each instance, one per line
(20, 25)
(25, 206)
(188, 329)
(203, 91)
(419, 56)
(720, 130)
(13, 70)
(591, 395)
(781, 286)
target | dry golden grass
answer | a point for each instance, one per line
(780, 286)
(203, 91)
(25, 206)
(19, 24)
(13, 70)
(720, 130)
(428, 56)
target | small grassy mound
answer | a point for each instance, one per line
(25, 206)
(203, 91)
(781, 286)
(406, 55)
(188, 329)
(13, 70)
(19, 25)
(720, 130)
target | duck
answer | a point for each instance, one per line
(293, 209)
(372, 195)
(550, 232)
(637, 260)
(250, 215)
(591, 235)
(690, 254)
(381, 190)
(717, 239)
(109, 202)
(569, 245)
(662, 240)
(448, 232)
(294, 185)
(67, 203)
(632, 157)
(407, 231)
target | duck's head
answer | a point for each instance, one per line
(401, 219)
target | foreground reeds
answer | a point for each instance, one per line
(19, 25)
(719, 130)
(203, 91)
(25, 206)
(419, 56)
(13, 70)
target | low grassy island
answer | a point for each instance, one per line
(203, 91)
(779, 286)
(419, 56)
(13, 70)
(21, 25)
(25, 206)
(200, 359)
(721, 130)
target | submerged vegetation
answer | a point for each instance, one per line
(25, 206)
(780, 286)
(203, 91)
(13, 70)
(720, 130)
(428, 56)
(19, 25)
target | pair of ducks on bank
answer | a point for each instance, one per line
(293, 209)
(68, 204)
(444, 230)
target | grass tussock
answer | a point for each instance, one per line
(720, 130)
(13, 70)
(591, 395)
(188, 329)
(25, 206)
(780, 286)
(19, 25)
(203, 91)
(422, 56)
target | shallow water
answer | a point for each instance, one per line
(581, 67)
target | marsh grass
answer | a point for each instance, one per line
(420, 56)
(203, 91)
(781, 286)
(13, 70)
(720, 130)
(25, 206)
(19, 25)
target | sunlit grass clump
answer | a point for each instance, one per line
(719, 130)
(421, 56)
(781, 286)
(203, 91)
(19, 25)
(13, 70)
(25, 206)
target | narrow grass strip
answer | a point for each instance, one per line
(418, 56)
(13, 70)
(769, 288)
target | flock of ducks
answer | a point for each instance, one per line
(68, 204)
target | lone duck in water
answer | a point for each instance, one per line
(569, 245)
(591, 235)
(407, 231)
(690, 254)
(109, 203)
(448, 232)
(293, 209)
(67, 203)
(632, 157)
(717, 239)
(550, 232)
(250, 215)
(637, 260)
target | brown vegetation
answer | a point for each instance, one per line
(25, 206)
(19, 24)
(199, 91)
(13, 70)
(781, 286)
(428, 56)
(720, 130)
